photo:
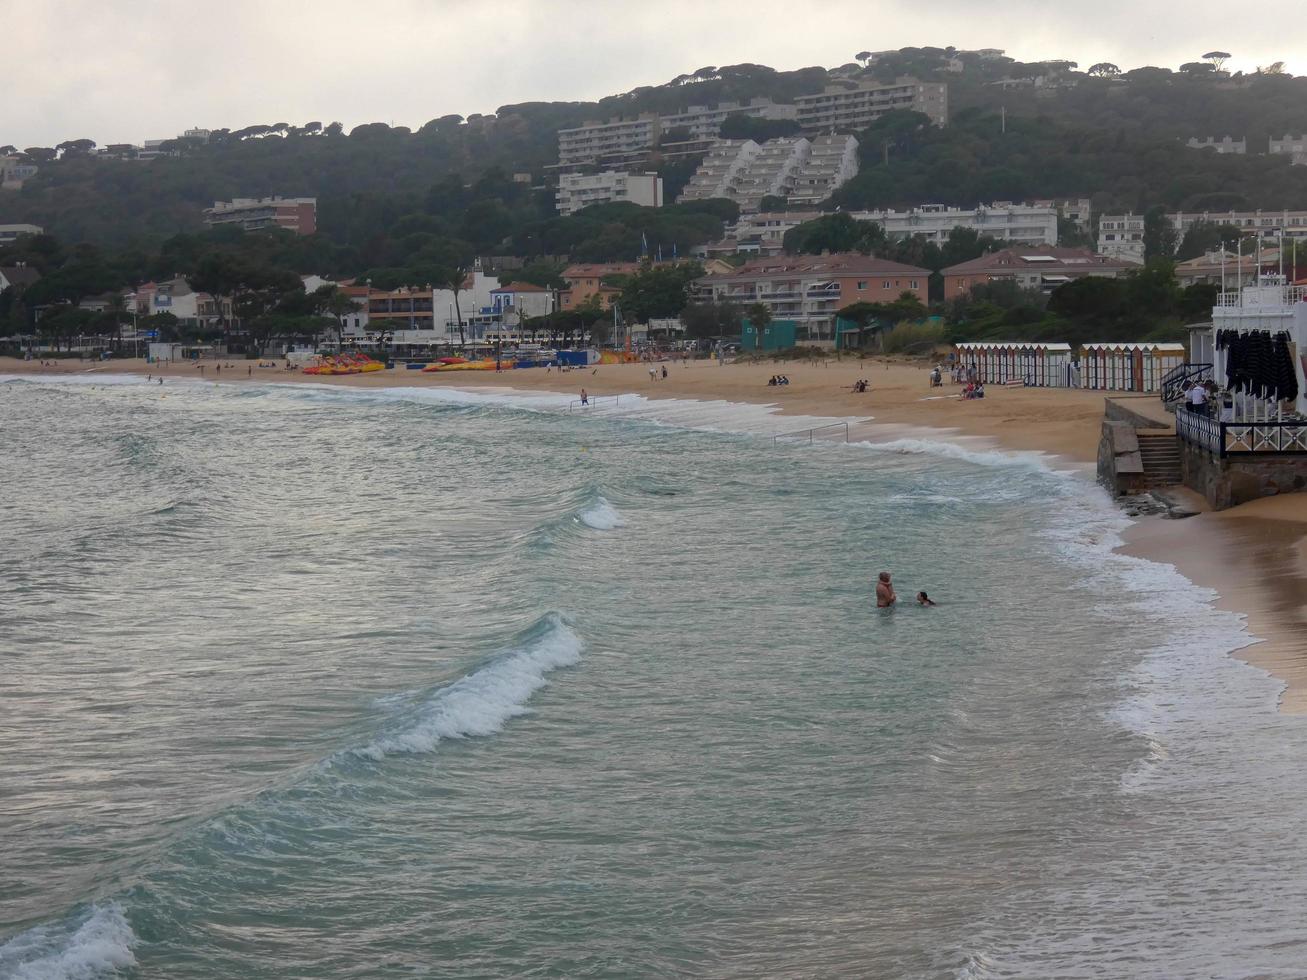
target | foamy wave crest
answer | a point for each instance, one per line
(480, 703)
(950, 450)
(95, 944)
(602, 516)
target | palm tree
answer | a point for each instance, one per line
(453, 280)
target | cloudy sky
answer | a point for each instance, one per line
(130, 70)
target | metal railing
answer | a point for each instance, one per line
(1174, 380)
(1244, 438)
(799, 433)
(592, 402)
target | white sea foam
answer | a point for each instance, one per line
(480, 703)
(96, 945)
(602, 516)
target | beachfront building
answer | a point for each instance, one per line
(852, 105)
(1122, 235)
(1042, 269)
(1030, 364)
(791, 168)
(297, 214)
(1225, 145)
(1252, 442)
(1294, 147)
(427, 316)
(577, 191)
(1128, 367)
(810, 289)
(586, 280)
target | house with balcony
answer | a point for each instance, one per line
(809, 290)
(577, 191)
(1042, 269)
(850, 105)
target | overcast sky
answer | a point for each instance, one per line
(130, 70)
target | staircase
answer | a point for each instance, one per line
(1160, 453)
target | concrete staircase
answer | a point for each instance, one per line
(1160, 453)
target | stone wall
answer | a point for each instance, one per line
(1120, 467)
(1238, 479)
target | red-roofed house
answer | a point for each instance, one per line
(1031, 267)
(810, 289)
(584, 281)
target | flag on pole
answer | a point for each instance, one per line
(644, 244)
(660, 252)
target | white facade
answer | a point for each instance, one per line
(1226, 144)
(1016, 223)
(797, 169)
(590, 144)
(855, 106)
(577, 191)
(1273, 306)
(1294, 147)
(1122, 235)
(8, 233)
(705, 122)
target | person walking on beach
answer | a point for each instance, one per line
(664, 372)
(585, 399)
(885, 596)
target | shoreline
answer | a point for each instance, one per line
(1254, 557)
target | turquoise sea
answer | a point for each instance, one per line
(325, 683)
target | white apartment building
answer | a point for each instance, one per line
(794, 168)
(705, 122)
(13, 171)
(1023, 224)
(577, 191)
(1122, 235)
(8, 233)
(1077, 209)
(832, 162)
(1226, 144)
(619, 139)
(855, 106)
(1291, 146)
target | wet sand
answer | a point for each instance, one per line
(1254, 556)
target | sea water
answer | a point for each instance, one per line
(312, 682)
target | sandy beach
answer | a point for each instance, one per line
(1254, 556)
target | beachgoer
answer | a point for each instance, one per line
(664, 372)
(924, 600)
(885, 596)
(585, 399)
(653, 374)
(249, 371)
(1198, 399)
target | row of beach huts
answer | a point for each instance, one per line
(1106, 367)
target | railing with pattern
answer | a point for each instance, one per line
(1241, 438)
(1174, 380)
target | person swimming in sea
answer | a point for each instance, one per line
(925, 600)
(885, 595)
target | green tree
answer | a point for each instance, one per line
(658, 290)
(1159, 234)
(839, 232)
(759, 315)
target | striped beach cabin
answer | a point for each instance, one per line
(1128, 367)
(1035, 365)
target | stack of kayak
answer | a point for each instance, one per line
(344, 364)
(463, 364)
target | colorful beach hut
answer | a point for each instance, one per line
(1031, 364)
(1128, 367)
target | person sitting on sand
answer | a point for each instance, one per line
(885, 596)
(979, 391)
(771, 382)
(924, 600)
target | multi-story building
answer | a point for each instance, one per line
(798, 169)
(618, 141)
(297, 214)
(855, 106)
(832, 162)
(1077, 209)
(1226, 144)
(427, 316)
(577, 191)
(1122, 235)
(705, 122)
(14, 171)
(1029, 224)
(587, 280)
(1043, 269)
(8, 233)
(1294, 147)
(811, 289)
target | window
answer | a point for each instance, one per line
(885, 284)
(916, 284)
(862, 283)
